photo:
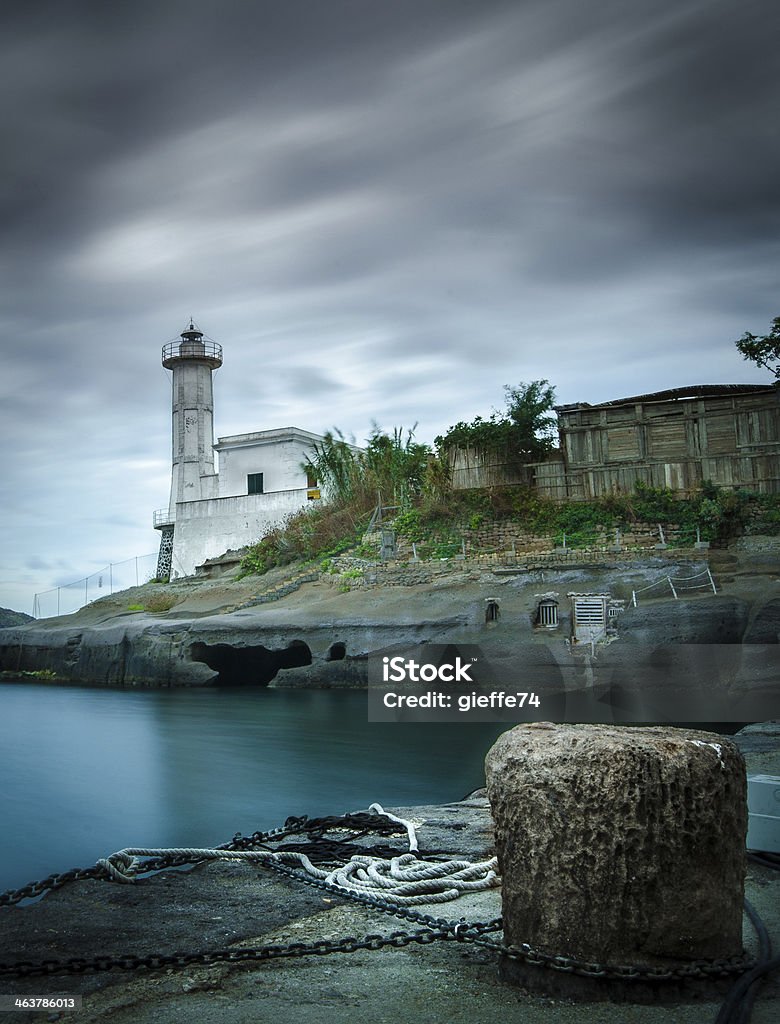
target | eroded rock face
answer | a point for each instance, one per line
(620, 844)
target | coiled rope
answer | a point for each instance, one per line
(404, 880)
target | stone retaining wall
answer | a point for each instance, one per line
(407, 573)
(759, 543)
(512, 537)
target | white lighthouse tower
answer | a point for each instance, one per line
(192, 361)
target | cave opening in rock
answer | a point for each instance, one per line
(337, 652)
(252, 665)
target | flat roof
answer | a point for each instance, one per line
(268, 437)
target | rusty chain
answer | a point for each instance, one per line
(433, 929)
(358, 824)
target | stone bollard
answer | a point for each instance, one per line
(619, 845)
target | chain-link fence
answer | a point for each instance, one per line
(115, 576)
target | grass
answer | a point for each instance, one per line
(155, 603)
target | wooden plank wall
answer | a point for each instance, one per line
(732, 440)
(549, 479)
(472, 468)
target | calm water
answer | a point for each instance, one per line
(86, 772)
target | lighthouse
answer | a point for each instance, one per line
(192, 361)
(264, 476)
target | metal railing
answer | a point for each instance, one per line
(206, 351)
(163, 517)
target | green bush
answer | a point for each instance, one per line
(315, 532)
(367, 551)
(411, 524)
(445, 549)
(160, 602)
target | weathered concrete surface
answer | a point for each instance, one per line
(217, 905)
(623, 845)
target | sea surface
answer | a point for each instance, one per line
(85, 772)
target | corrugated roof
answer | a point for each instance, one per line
(675, 394)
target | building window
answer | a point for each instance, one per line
(547, 613)
(492, 610)
(313, 492)
(254, 483)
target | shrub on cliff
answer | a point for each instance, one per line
(316, 531)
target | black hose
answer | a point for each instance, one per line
(767, 860)
(738, 1004)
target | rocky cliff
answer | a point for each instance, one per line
(322, 632)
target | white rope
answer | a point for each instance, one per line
(407, 880)
(410, 830)
(403, 879)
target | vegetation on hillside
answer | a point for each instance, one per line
(393, 471)
(717, 515)
(438, 526)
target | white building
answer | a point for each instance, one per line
(260, 479)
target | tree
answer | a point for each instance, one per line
(763, 350)
(523, 433)
(529, 407)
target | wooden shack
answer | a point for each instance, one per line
(726, 433)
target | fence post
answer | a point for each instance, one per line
(712, 581)
(669, 580)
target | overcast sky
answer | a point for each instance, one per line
(382, 211)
